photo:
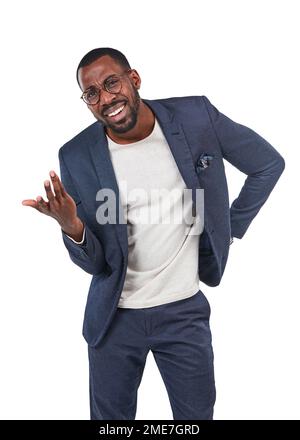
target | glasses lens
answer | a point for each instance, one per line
(91, 96)
(113, 85)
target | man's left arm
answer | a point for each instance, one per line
(254, 156)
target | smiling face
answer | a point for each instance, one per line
(94, 75)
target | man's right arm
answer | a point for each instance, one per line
(87, 253)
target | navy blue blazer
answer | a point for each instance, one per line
(200, 137)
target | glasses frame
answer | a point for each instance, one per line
(103, 86)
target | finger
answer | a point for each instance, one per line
(62, 188)
(30, 202)
(38, 204)
(56, 184)
(48, 190)
(42, 206)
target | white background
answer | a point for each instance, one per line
(244, 57)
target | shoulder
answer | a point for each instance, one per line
(186, 106)
(178, 101)
(84, 137)
(189, 110)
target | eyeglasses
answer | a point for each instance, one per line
(113, 84)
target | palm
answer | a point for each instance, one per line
(60, 205)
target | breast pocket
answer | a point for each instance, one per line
(203, 162)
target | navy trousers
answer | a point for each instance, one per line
(178, 334)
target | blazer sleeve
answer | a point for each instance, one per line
(89, 255)
(254, 156)
(78, 242)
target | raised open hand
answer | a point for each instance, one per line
(60, 205)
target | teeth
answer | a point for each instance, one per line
(116, 111)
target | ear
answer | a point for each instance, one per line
(135, 78)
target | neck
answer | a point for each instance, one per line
(143, 127)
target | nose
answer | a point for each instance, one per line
(106, 98)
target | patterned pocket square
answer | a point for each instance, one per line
(203, 161)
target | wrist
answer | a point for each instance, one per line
(74, 229)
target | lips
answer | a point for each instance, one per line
(114, 108)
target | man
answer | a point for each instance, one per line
(144, 294)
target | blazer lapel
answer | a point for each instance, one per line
(176, 139)
(107, 179)
(179, 147)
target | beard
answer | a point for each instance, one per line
(131, 117)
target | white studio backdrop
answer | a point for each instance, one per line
(244, 57)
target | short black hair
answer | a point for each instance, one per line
(94, 54)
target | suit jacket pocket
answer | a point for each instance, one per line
(203, 162)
